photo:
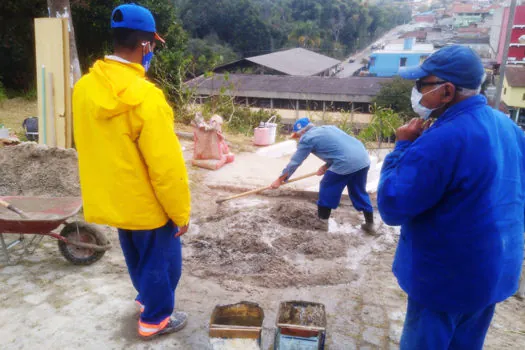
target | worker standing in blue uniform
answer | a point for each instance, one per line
(456, 188)
(347, 165)
(132, 171)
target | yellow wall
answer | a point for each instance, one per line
(513, 97)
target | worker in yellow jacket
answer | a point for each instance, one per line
(132, 172)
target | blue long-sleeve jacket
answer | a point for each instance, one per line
(458, 194)
(344, 153)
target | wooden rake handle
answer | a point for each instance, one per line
(244, 194)
(13, 209)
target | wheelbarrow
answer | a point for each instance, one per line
(78, 242)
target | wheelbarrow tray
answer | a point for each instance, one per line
(44, 214)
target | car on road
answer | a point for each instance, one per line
(351, 60)
(377, 46)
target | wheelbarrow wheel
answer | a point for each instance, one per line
(85, 233)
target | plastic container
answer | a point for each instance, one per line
(261, 136)
(266, 133)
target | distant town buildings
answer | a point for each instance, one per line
(300, 82)
(386, 62)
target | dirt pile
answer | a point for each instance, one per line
(271, 245)
(38, 170)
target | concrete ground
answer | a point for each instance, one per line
(47, 303)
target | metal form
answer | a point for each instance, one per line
(300, 325)
(243, 320)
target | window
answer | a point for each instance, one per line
(523, 97)
(402, 62)
(505, 91)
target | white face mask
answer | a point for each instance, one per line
(416, 98)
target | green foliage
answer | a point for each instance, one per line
(382, 127)
(252, 27)
(210, 52)
(3, 95)
(238, 118)
(244, 120)
(30, 94)
(17, 51)
(396, 95)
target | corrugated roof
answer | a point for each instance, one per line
(357, 89)
(296, 61)
(515, 76)
(475, 40)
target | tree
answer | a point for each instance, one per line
(382, 127)
(17, 43)
(396, 95)
(62, 9)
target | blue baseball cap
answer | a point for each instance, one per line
(301, 124)
(135, 17)
(457, 64)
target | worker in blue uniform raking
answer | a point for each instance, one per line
(456, 188)
(346, 166)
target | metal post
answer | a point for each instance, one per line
(518, 114)
(497, 98)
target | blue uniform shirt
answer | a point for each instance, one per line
(344, 153)
(458, 194)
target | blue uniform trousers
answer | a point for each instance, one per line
(431, 330)
(154, 260)
(332, 187)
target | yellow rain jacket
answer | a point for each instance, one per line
(132, 172)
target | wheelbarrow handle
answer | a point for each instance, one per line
(13, 209)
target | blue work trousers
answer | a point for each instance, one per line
(431, 330)
(154, 260)
(332, 187)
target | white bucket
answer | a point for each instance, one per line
(273, 129)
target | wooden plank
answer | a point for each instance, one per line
(68, 85)
(49, 48)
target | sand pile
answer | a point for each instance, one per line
(38, 170)
(270, 245)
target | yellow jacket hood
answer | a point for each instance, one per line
(121, 87)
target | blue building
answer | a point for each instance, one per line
(386, 62)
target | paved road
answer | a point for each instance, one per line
(350, 68)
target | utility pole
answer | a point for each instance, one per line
(497, 99)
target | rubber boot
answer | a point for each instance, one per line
(368, 226)
(323, 216)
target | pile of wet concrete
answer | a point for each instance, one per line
(30, 169)
(275, 243)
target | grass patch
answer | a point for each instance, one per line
(14, 111)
